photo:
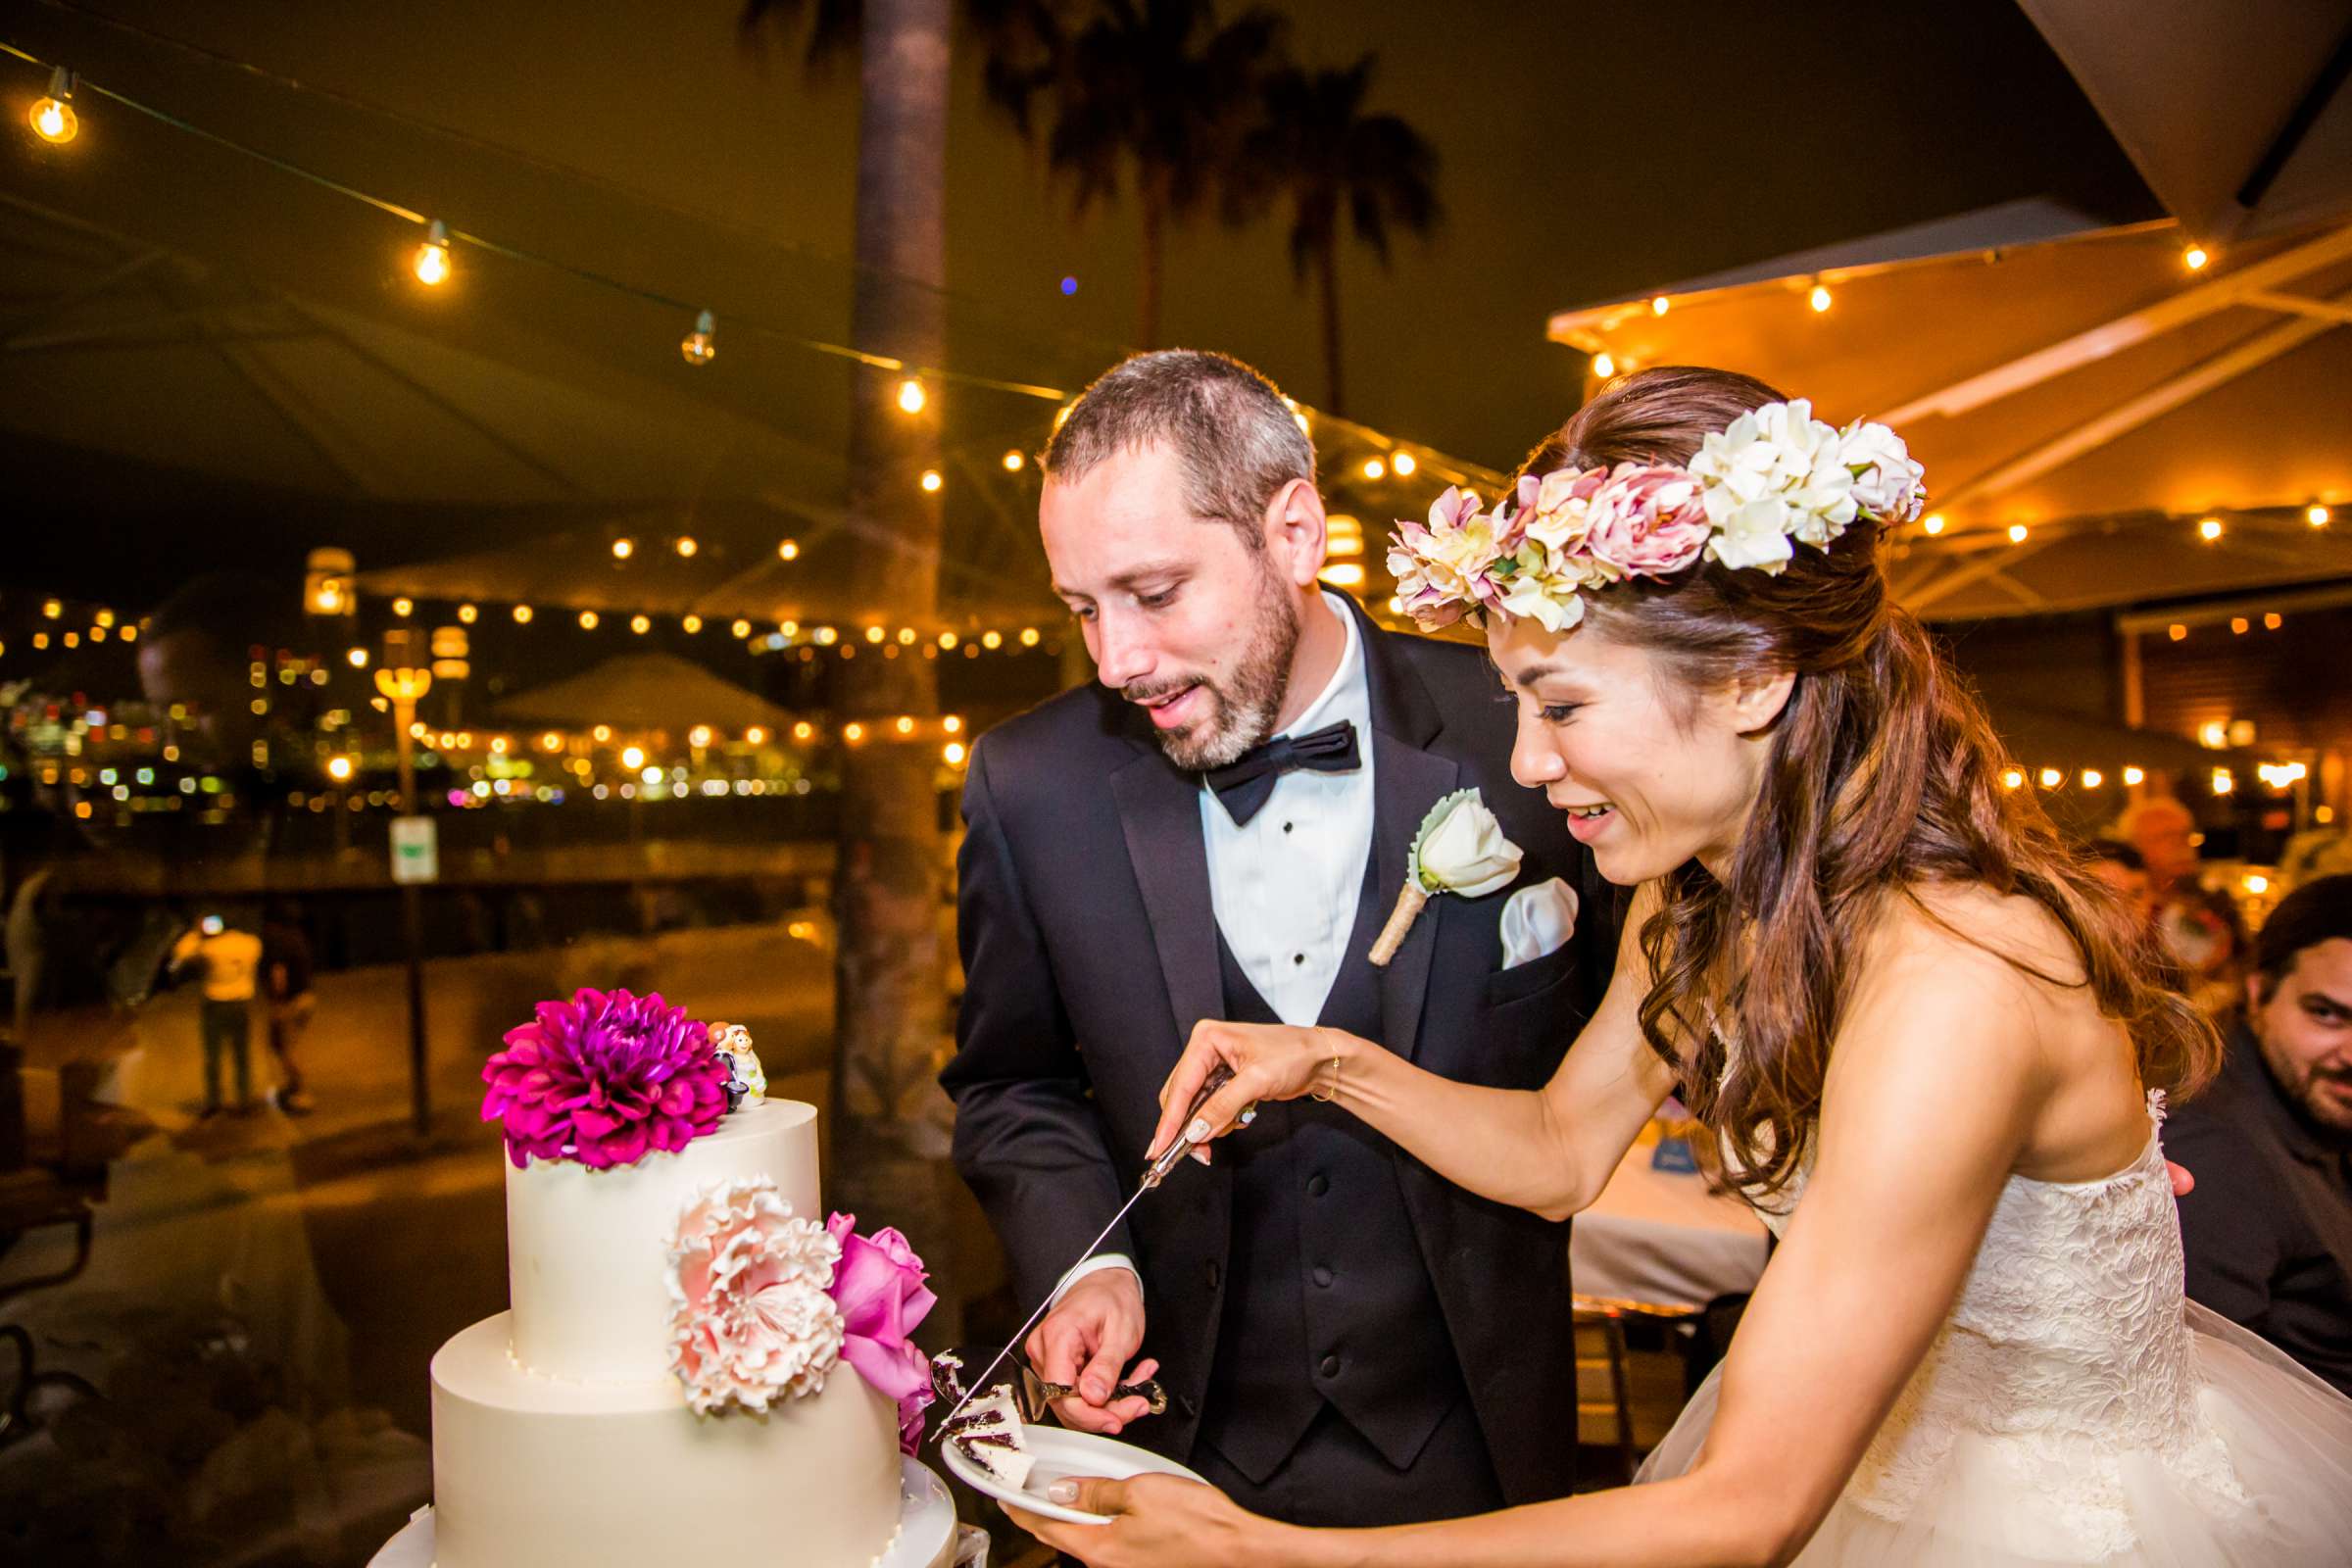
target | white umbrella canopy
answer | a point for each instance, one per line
(644, 691)
(2093, 392)
(2237, 115)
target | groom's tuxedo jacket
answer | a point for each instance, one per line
(1090, 950)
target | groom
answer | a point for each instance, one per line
(1217, 830)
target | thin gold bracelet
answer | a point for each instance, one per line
(1335, 1081)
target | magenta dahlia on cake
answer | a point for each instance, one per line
(604, 1078)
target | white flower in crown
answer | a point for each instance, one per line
(1887, 484)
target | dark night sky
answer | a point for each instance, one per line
(1590, 150)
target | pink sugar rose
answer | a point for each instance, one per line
(751, 1319)
(880, 1293)
(1647, 522)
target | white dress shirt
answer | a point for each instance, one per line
(1285, 884)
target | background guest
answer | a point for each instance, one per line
(2268, 1228)
(229, 961)
(2199, 928)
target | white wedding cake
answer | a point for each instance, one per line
(673, 1379)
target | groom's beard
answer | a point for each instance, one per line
(1242, 707)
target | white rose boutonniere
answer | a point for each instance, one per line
(1460, 849)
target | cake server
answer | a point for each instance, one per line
(1153, 1174)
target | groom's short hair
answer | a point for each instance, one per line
(1238, 439)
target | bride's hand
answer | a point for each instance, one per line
(1154, 1520)
(1269, 1062)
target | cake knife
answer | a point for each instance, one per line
(1153, 1174)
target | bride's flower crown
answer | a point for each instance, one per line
(1776, 475)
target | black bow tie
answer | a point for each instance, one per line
(1245, 785)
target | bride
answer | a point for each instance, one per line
(1890, 990)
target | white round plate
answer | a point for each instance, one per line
(1057, 1452)
(926, 1535)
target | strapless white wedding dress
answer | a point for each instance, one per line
(2075, 1408)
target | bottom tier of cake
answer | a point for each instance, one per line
(532, 1472)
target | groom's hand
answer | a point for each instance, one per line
(1086, 1341)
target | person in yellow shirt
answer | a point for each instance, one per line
(229, 961)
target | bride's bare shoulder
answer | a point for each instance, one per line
(1976, 927)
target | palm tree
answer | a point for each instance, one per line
(1318, 149)
(889, 970)
(1156, 92)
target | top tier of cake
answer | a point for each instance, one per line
(588, 1251)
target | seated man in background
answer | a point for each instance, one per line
(2268, 1228)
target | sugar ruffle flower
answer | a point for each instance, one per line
(880, 1292)
(604, 1078)
(753, 1319)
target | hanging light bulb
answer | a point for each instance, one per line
(1014, 461)
(789, 550)
(2210, 530)
(2195, 257)
(432, 257)
(1819, 299)
(1403, 464)
(1604, 366)
(691, 625)
(53, 118)
(1374, 468)
(701, 345)
(1660, 306)
(2317, 517)
(641, 624)
(587, 620)
(1933, 522)
(624, 549)
(740, 628)
(911, 397)
(932, 481)
(2017, 533)
(522, 614)
(468, 614)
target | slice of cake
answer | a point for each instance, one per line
(988, 1432)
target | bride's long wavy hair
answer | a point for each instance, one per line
(1884, 774)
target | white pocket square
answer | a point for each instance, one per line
(1537, 920)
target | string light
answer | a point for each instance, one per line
(357, 658)
(741, 629)
(1819, 299)
(948, 641)
(953, 753)
(906, 636)
(992, 640)
(1014, 461)
(2051, 779)
(1604, 366)
(2012, 777)
(53, 119)
(905, 725)
(790, 629)
(1029, 636)
(789, 550)
(699, 737)
(803, 730)
(952, 724)
(522, 614)
(691, 625)
(403, 606)
(686, 547)
(432, 257)
(468, 615)
(755, 736)
(587, 620)
(827, 636)
(2317, 517)
(1660, 306)
(2224, 781)
(2177, 632)
(53, 608)
(2272, 621)
(338, 768)
(2092, 778)
(551, 741)
(2135, 776)
(2210, 530)
(1933, 522)
(1403, 464)
(853, 733)
(641, 624)
(1342, 574)
(911, 396)
(624, 548)
(931, 479)
(2017, 533)
(601, 734)
(632, 757)
(2195, 257)
(700, 346)
(2240, 625)
(874, 634)
(1374, 468)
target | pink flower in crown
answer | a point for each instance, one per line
(1647, 522)
(604, 1078)
(753, 1319)
(880, 1291)
(1555, 509)
(1446, 568)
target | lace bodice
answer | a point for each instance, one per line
(2068, 1346)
